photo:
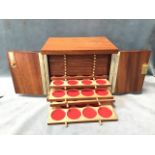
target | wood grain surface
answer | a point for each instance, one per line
(129, 77)
(79, 65)
(78, 45)
(26, 73)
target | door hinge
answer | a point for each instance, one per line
(144, 69)
(12, 59)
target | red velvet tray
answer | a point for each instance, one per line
(80, 83)
(84, 114)
(85, 93)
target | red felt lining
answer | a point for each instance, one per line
(100, 81)
(104, 112)
(72, 82)
(74, 113)
(58, 114)
(89, 112)
(86, 82)
(58, 93)
(87, 92)
(73, 92)
(58, 82)
(101, 91)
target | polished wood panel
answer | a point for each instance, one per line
(79, 65)
(78, 45)
(129, 77)
(26, 72)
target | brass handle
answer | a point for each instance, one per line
(144, 69)
(12, 59)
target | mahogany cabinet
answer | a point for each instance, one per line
(71, 57)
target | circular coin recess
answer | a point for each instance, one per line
(89, 112)
(72, 82)
(104, 112)
(100, 81)
(58, 93)
(74, 113)
(87, 82)
(101, 91)
(73, 92)
(87, 92)
(58, 114)
(58, 82)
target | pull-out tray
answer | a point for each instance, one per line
(80, 83)
(78, 94)
(85, 114)
(83, 103)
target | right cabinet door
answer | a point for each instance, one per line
(132, 68)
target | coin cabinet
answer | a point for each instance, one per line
(79, 76)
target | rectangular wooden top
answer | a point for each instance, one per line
(78, 45)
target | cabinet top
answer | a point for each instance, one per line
(78, 45)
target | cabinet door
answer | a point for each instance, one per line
(26, 72)
(132, 68)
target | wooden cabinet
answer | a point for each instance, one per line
(79, 72)
(32, 71)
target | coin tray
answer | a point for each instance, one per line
(80, 83)
(85, 114)
(76, 94)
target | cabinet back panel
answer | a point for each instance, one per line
(79, 65)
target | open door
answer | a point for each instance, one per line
(132, 67)
(26, 72)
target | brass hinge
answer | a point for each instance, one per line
(144, 69)
(12, 59)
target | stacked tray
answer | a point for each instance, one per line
(76, 94)
(85, 114)
(79, 98)
(82, 102)
(80, 83)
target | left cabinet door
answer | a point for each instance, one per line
(26, 72)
